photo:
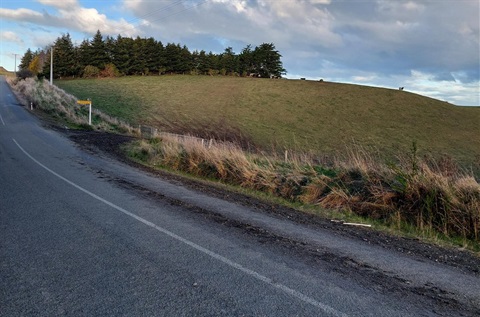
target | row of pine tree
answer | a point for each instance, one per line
(109, 57)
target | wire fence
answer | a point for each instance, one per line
(148, 132)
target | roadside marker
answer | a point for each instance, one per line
(89, 103)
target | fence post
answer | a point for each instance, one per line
(89, 113)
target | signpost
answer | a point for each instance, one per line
(89, 103)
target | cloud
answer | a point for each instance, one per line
(20, 15)
(85, 20)
(285, 23)
(392, 37)
(455, 92)
(8, 36)
(89, 20)
(405, 35)
(443, 76)
(61, 4)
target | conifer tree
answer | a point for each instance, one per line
(98, 53)
(64, 61)
(185, 61)
(148, 56)
(83, 54)
(121, 54)
(158, 58)
(172, 57)
(267, 61)
(26, 60)
(245, 61)
(228, 61)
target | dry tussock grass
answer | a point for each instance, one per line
(55, 101)
(430, 194)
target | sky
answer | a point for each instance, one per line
(430, 47)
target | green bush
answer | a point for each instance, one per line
(91, 71)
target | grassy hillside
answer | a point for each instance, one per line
(304, 115)
(4, 72)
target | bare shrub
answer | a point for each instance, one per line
(110, 71)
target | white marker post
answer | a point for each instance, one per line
(89, 103)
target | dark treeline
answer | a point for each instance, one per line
(111, 57)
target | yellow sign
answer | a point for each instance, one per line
(84, 102)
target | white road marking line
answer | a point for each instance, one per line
(1, 119)
(327, 309)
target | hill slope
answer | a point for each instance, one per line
(5, 72)
(305, 115)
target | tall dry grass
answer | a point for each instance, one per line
(39, 94)
(431, 194)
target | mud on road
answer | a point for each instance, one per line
(437, 300)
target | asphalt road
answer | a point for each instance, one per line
(83, 235)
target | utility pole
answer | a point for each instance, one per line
(51, 65)
(15, 69)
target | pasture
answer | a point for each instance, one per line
(305, 116)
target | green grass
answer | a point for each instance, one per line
(300, 115)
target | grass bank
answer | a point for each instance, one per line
(431, 197)
(40, 95)
(6, 73)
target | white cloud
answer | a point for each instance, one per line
(89, 20)
(42, 40)
(455, 92)
(285, 23)
(8, 36)
(413, 6)
(85, 20)
(61, 4)
(133, 4)
(20, 14)
(422, 83)
(320, 1)
(364, 79)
